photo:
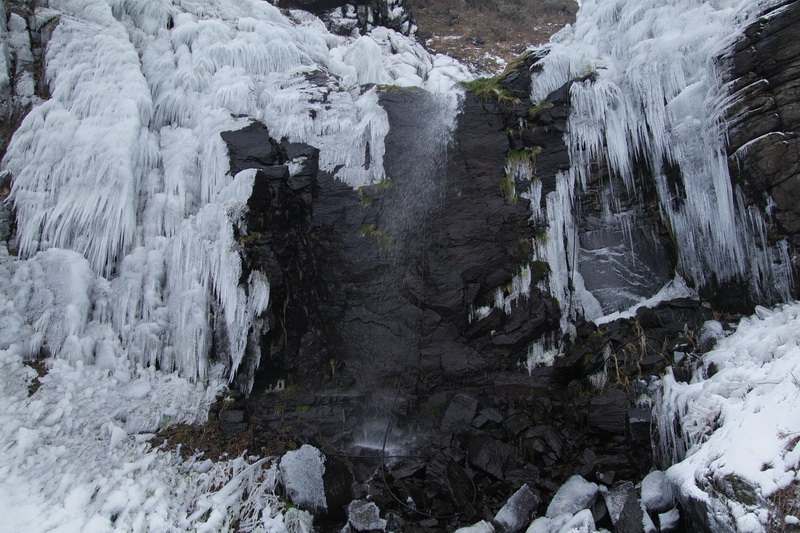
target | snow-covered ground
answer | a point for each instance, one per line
(75, 457)
(737, 437)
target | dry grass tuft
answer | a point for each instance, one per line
(785, 504)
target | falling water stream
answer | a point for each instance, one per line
(421, 132)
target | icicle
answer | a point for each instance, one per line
(125, 164)
(73, 159)
(648, 91)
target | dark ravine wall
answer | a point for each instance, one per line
(369, 322)
(357, 288)
(764, 144)
(371, 292)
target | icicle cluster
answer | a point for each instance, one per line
(125, 165)
(648, 91)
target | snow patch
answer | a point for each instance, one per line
(730, 433)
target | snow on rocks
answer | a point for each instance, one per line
(302, 472)
(71, 458)
(573, 496)
(569, 510)
(657, 496)
(731, 432)
(365, 516)
(624, 509)
(581, 522)
(481, 527)
(517, 511)
(669, 521)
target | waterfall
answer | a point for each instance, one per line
(648, 91)
(416, 169)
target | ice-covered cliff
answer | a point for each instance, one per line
(124, 164)
(648, 122)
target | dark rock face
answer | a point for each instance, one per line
(371, 296)
(378, 284)
(764, 145)
(371, 339)
(625, 254)
(608, 411)
(624, 509)
(6, 214)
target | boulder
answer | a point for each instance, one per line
(624, 510)
(232, 421)
(657, 494)
(517, 511)
(575, 495)
(670, 521)
(490, 455)
(582, 522)
(609, 411)
(640, 420)
(548, 525)
(365, 516)
(302, 472)
(460, 411)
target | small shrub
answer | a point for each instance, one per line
(488, 89)
(509, 188)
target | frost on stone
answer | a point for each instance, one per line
(297, 521)
(94, 469)
(657, 495)
(573, 496)
(517, 511)
(582, 522)
(302, 472)
(618, 499)
(365, 516)
(710, 332)
(669, 521)
(480, 527)
(541, 525)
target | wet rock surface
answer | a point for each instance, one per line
(359, 291)
(373, 354)
(764, 146)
